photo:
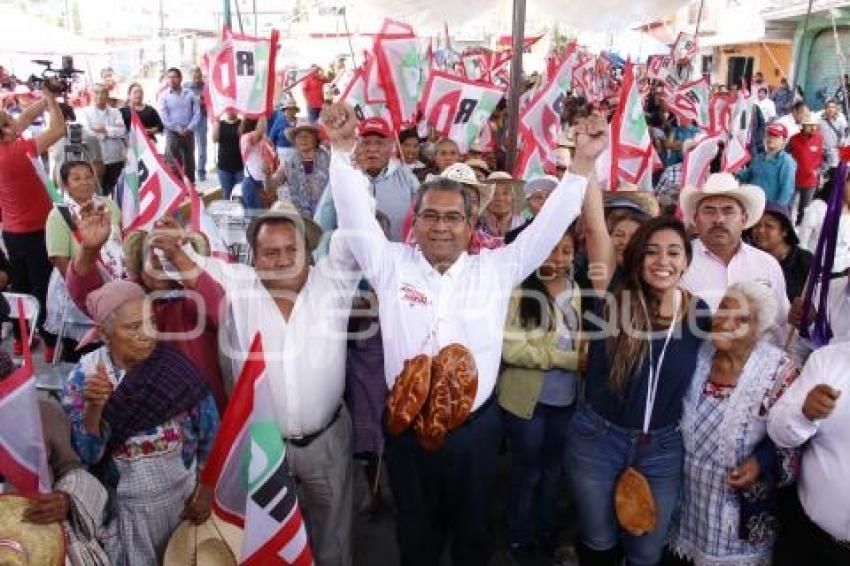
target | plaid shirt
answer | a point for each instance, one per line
(669, 186)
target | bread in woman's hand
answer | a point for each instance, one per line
(409, 393)
(457, 364)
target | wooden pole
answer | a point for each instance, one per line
(518, 31)
(228, 20)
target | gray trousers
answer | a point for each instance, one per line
(324, 472)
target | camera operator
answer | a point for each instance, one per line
(106, 124)
(75, 146)
(25, 204)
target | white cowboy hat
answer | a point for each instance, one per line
(810, 119)
(751, 197)
(463, 174)
(212, 543)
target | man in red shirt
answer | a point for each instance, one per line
(25, 204)
(314, 92)
(807, 150)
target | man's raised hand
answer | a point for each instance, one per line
(340, 123)
(94, 225)
(591, 134)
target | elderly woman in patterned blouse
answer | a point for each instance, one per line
(731, 466)
(305, 173)
(141, 415)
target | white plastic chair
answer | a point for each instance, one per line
(31, 310)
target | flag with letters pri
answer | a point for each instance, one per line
(240, 75)
(458, 108)
(248, 473)
(402, 72)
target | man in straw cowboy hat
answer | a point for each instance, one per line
(720, 212)
(435, 294)
(301, 311)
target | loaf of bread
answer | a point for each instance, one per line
(456, 362)
(432, 425)
(634, 503)
(409, 393)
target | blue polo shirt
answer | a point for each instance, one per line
(774, 174)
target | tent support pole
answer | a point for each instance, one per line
(799, 53)
(518, 36)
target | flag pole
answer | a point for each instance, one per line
(800, 47)
(518, 31)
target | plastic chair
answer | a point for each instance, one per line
(70, 315)
(31, 310)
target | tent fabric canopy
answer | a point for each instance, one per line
(599, 15)
(23, 34)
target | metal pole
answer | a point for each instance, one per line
(162, 36)
(348, 34)
(699, 18)
(254, 8)
(518, 31)
(799, 53)
(228, 20)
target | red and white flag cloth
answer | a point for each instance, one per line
(719, 113)
(696, 162)
(459, 108)
(249, 475)
(540, 120)
(691, 101)
(292, 76)
(356, 95)
(402, 73)
(531, 162)
(150, 190)
(23, 457)
(684, 49)
(240, 75)
(632, 154)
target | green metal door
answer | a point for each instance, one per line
(823, 72)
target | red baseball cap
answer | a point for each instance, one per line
(374, 127)
(777, 131)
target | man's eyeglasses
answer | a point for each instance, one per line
(431, 218)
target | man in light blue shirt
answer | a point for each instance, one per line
(180, 111)
(197, 86)
(775, 170)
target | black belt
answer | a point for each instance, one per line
(304, 441)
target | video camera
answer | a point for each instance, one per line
(57, 81)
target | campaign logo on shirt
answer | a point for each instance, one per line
(413, 296)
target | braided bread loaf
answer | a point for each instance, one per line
(409, 393)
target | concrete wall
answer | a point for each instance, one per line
(803, 42)
(763, 60)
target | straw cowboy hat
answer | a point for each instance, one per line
(477, 163)
(302, 126)
(26, 543)
(134, 248)
(463, 174)
(516, 185)
(810, 119)
(285, 209)
(212, 543)
(750, 197)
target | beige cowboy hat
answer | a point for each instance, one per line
(285, 209)
(751, 197)
(630, 197)
(212, 543)
(134, 248)
(463, 174)
(302, 126)
(478, 163)
(24, 543)
(810, 119)
(503, 178)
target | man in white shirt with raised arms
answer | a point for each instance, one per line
(434, 294)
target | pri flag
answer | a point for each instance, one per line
(690, 101)
(718, 113)
(203, 223)
(632, 153)
(248, 472)
(356, 94)
(240, 73)
(531, 162)
(151, 190)
(23, 457)
(685, 49)
(541, 119)
(402, 72)
(696, 162)
(459, 108)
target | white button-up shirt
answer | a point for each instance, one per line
(112, 145)
(823, 487)
(708, 277)
(422, 310)
(305, 355)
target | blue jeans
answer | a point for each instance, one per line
(537, 446)
(229, 179)
(201, 144)
(251, 189)
(313, 114)
(597, 452)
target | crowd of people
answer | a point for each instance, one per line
(630, 347)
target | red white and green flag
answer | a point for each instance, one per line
(202, 222)
(402, 72)
(696, 162)
(691, 101)
(531, 162)
(540, 120)
(719, 113)
(23, 457)
(356, 94)
(151, 190)
(241, 76)
(249, 475)
(632, 154)
(459, 108)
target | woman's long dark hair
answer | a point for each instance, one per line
(634, 302)
(530, 311)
